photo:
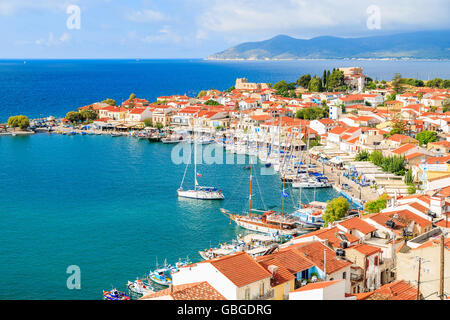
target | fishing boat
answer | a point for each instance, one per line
(311, 215)
(155, 137)
(139, 288)
(199, 192)
(306, 182)
(172, 139)
(161, 276)
(115, 135)
(254, 244)
(265, 221)
(115, 295)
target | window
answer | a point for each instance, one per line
(344, 275)
(247, 294)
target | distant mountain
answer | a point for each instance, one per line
(415, 45)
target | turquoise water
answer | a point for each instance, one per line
(108, 205)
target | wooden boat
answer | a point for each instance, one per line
(115, 295)
(269, 222)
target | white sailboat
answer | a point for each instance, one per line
(199, 192)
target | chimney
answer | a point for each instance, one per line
(273, 269)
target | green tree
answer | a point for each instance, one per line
(409, 179)
(376, 158)
(202, 94)
(315, 85)
(74, 116)
(376, 206)
(111, 102)
(212, 103)
(159, 125)
(363, 155)
(412, 189)
(148, 123)
(132, 97)
(230, 89)
(336, 210)
(397, 83)
(426, 137)
(304, 80)
(88, 114)
(20, 121)
(336, 80)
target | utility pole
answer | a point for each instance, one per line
(418, 280)
(441, 279)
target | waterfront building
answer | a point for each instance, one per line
(236, 277)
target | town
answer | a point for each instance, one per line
(385, 146)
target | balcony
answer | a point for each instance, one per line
(268, 295)
(356, 277)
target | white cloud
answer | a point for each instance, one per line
(303, 17)
(145, 16)
(165, 35)
(11, 7)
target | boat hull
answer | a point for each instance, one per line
(200, 195)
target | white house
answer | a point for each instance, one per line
(236, 277)
(325, 290)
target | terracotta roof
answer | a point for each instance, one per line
(357, 224)
(366, 249)
(404, 148)
(399, 137)
(291, 259)
(240, 269)
(314, 251)
(317, 285)
(414, 155)
(398, 290)
(190, 291)
(282, 275)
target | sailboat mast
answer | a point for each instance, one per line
(282, 196)
(195, 163)
(250, 197)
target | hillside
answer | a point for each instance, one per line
(415, 45)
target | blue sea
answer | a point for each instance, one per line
(109, 205)
(39, 88)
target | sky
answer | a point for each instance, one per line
(66, 29)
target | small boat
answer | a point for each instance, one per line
(246, 168)
(311, 215)
(139, 288)
(161, 276)
(199, 192)
(115, 295)
(115, 135)
(311, 183)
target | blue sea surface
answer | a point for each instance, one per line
(39, 88)
(109, 206)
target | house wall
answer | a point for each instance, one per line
(407, 269)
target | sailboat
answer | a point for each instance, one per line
(264, 221)
(199, 192)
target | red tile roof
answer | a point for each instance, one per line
(366, 249)
(404, 148)
(398, 290)
(357, 224)
(190, 291)
(240, 268)
(314, 251)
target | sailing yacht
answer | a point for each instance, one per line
(264, 221)
(199, 192)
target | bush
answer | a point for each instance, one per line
(336, 210)
(21, 122)
(376, 206)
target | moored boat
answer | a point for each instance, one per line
(115, 294)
